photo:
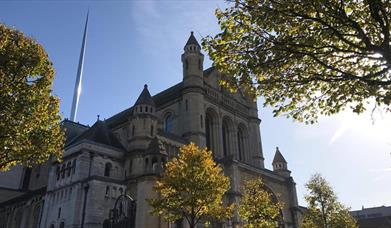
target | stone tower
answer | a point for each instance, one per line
(193, 92)
(143, 122)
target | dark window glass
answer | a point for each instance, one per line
(74, 166)
(26, 178)
(38, 171)
(208, 131)
(107, 190)
(168, 123)
(58, 172)
(68, 169)
(107, 169)
(225, 139)
(240, 144)
(63, 171)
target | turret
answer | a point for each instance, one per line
(143, 121)
(193, 113)
(280, 165)
(193, 63)
(155, 157)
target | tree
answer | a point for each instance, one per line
(324, 210)
(192, 187)
(306, 58)
(257, 206)
(29, 120)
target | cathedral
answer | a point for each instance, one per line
(124, 154)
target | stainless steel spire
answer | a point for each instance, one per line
(77, 91)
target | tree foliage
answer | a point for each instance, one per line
(306, 58)
(29, 119)
(324, 210)
(192, 187)
(257, 207)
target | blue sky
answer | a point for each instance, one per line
(131, 43)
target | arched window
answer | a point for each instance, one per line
(38, 171)
(212, 130)
(225, 139)
(240, 144)
(226, 132)
(209, 131)
(154, 163)
(107, 191)
(68, 169)
(63, 171)
(62, 225)
(74, 166)
(168, 123)
(58, 172)
(152, 130)
(146, 167)
(107, 169)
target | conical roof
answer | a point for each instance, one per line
(192, 40)
(278, 157)
(99, 133)
(145, 97)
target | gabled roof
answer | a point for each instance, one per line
(119, 118)
(99, 133)
(72, 129)
(278, 157)
(145, 97)
(168, 95)
(192, 40)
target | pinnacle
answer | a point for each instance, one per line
(145, 97)
(192, 40)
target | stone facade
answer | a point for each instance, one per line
(125, 154)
